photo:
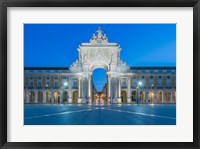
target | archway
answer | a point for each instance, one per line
(32, 96)
(65, 96)
(175, 97)
(134, 96)
(48, 97)
(99, 78)
(75, 97)
(168, 95)
(151, 97)
(142, 97)
(124, 96)
(56, 97)
(40, 96)
(24, 96)
(159, 97)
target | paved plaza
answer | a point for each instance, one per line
(116, 114)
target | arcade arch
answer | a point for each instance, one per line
(159, 97)
(142, 97)
(75, 96)
(151, 97)
(124, 96)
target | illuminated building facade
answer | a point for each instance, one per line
(125, 84)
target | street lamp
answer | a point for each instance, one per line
(63, 89)
(139, 84)
(152, 98)
(151, 86)
(151, 93)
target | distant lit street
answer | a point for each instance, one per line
(99, 114)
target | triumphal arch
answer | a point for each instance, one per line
(99, 53)
(125, 84)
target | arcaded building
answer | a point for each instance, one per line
(125, 84)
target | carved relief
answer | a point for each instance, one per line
(99, 54)
(85, 57)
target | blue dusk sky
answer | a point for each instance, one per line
(55, 45)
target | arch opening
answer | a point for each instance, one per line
(151, 97)
(32, 96)
(124, 96)
(48, 99)
(75, 96)
(56, 97)
(168, 97)
(99, 78)
(40, 97)
(134, 96)
(65, 96)
(142, 97)
(159, 97)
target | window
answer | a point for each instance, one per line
(31, 84)
(168, 83)
(134, 84)
(123, 83)
(151, 77)
(39, 84)
(47, 84)
(134, 77)
(160, 83)
(31, 77)
(75, 83)
(56, 77)
(39, 77)
(64, 77)
(168, 77)
(47, 77)
(143, 77)
(159, 77)
(56, 84)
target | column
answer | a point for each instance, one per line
(171, 98)
(44, 97)
(89, 89)
(27, 97)
(155, 97)
(108, 88)
(129, 91)
(146, 97)
(84, 90)
(70, 91)
(52, 97)
(116, 88)
(138, 97)
(79, 90)
(119, 100)
(61, 96)
(163, 97)
(111, 90)
(36, 97)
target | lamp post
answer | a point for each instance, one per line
(151, 86)
(63, 89)
(152, 97)
(152, 94)
(139, 84)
